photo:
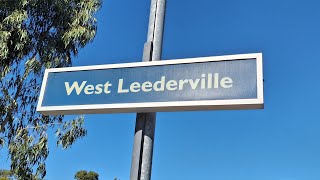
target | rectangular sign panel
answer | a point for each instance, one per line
(209, 83)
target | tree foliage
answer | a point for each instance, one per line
(34, 35)
(84, 175)
(5, 175)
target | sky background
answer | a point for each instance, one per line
(280, 142)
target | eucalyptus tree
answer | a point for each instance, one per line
(34, 35)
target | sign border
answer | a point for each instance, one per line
(257, 103)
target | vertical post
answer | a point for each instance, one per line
(145, 123)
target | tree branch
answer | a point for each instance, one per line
(10, 110)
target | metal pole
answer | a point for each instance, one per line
(145, 123)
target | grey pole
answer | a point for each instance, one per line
(145, 123)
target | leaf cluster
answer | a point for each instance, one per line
(84, 175)
(5, 175)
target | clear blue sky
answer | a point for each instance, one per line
(280, 142)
